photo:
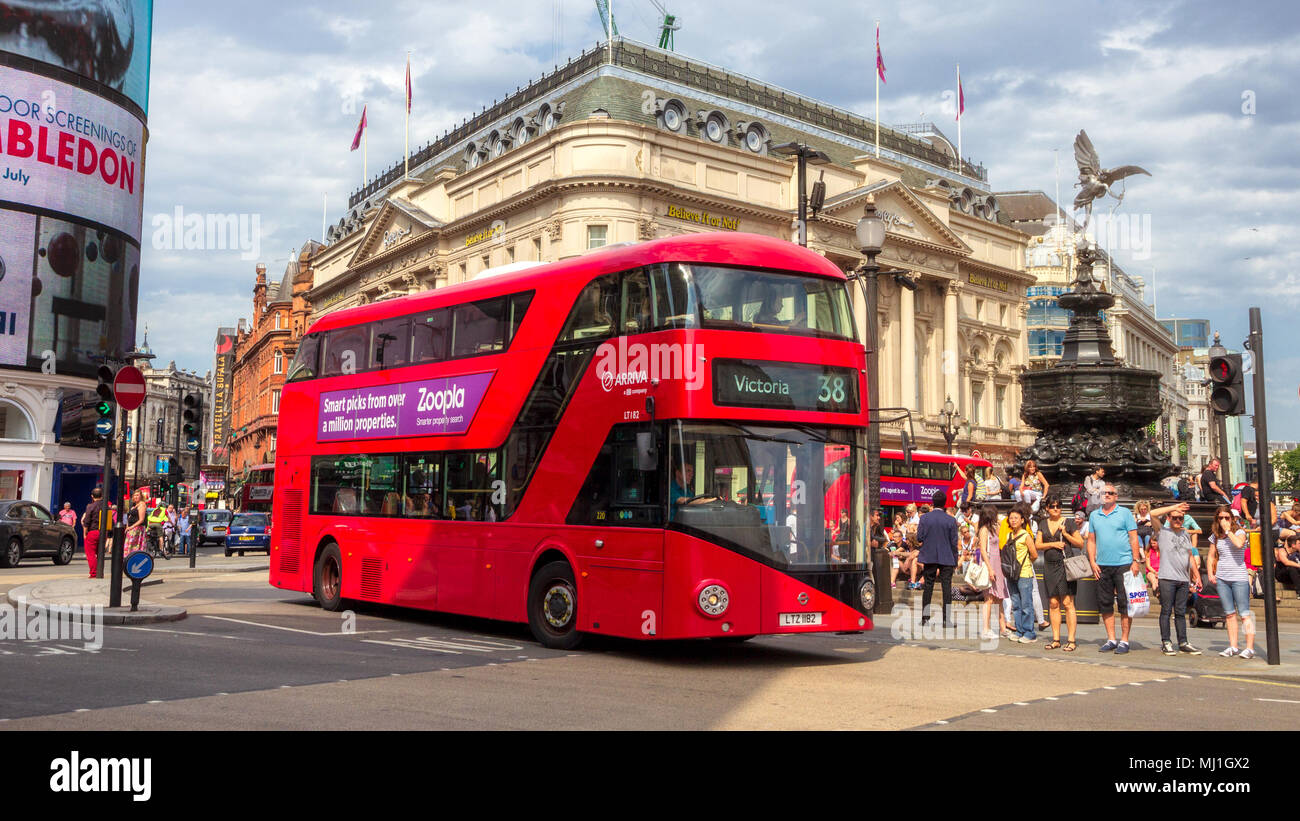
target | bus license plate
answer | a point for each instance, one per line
(800, 619)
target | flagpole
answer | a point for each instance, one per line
(960, 168)
(365, 172)
(406, 173)
(877, 89)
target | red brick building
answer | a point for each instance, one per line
(264, 347)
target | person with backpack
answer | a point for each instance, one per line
(157, 524)
(90, 526)
(1094, 486)
(1018, 555)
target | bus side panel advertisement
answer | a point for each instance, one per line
(423, 408)
(906, 492)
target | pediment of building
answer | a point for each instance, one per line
(396, 225)
(909, 221)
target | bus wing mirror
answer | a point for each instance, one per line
(647, 452)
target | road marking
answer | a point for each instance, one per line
(184, 633)
(1053, 698)
(987, 710)
(1081, 692)
(452, 645)
(1253, 681)
(155, 701)
(937, 722)
(1022, 703)
(1135, 684)
(1279, 700)
(295, 629)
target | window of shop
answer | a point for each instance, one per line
(14, 423)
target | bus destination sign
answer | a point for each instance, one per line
(424, 408)
(750, 383)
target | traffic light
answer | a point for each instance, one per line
(106, 404)
(193, 414)
(1227, 388)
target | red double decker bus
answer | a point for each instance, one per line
(638, 442)
(901, 484)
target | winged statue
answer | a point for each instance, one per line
(1095, 181)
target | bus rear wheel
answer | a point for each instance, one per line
(327, 579)
(553, 607)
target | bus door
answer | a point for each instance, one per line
(619, 539)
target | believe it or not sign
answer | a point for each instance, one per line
(704, 218)
(424, 408)
(161, 465)
(995, 283)
(497, 229)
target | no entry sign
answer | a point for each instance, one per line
(128, 388)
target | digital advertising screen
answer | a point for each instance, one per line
(104, 40)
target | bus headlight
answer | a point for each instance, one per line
(713, 600)
(867, 593)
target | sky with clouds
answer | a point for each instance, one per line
(253, 105)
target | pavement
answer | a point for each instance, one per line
(84, 594)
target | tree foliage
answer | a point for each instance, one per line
(1286, 469)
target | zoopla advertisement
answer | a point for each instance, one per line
(425, 408)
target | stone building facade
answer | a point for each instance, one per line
(263, 349)
(156, 425)
(652, 145)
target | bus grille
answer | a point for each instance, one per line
(372, 575)
(290, 531)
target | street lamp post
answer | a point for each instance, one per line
(870, 240)
(951, 422)
(804, 155)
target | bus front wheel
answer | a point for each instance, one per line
(553, 607)
(328, 579)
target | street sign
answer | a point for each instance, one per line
(128, 387)
(139, 565)
(104, 427)
(161, 465)
(192, 444)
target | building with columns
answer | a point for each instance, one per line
(154, 428)
(651, 144)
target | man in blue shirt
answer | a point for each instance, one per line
(938, 536)
(1113, 551)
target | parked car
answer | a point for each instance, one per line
(27, 530)
(249, 531)
(213, 525)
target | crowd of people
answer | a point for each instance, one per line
(151, 525)
(978, 554)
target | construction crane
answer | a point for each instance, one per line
(606, 19)
(666, 28)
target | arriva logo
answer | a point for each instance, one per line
(449, 399)
(620, 365)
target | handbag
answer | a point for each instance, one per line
(977, 574)
(1077, 566)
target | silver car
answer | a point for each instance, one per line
(213, 526)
